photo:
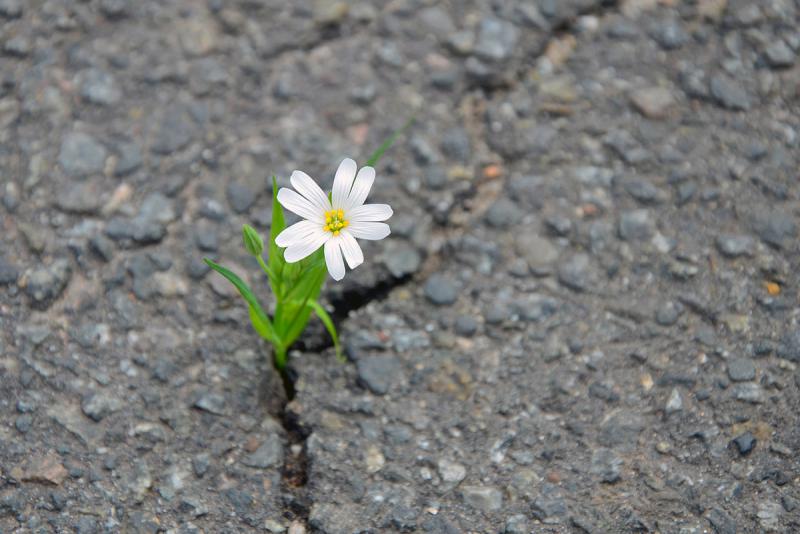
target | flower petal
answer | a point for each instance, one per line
(343, 182)
(296, 233)
(369, 230)
(307, 187)
(352, 252)
(333, 258)
(306, 247)
(361, 187)
(370, 213)
(294, 202)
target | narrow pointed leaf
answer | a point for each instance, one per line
(255, 308)
(329, 326)
(262, 329)
(376, 156)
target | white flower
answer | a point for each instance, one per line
(335, 223)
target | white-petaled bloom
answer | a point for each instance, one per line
(335, 223)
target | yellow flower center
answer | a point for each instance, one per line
(335, 221)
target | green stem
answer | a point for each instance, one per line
(279, 358)
(270, 274)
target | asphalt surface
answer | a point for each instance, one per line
(585, 320)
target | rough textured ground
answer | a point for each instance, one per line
(585, 321)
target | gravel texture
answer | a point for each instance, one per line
(585, 320)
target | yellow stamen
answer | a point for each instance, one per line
(335, 221)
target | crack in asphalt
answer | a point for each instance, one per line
(295, 472)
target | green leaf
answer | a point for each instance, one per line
(328, 322)
(376, 156)
(297, 312)
(252, 241)
(263, 329)
(263, 325)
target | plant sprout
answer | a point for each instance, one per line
(300, 256)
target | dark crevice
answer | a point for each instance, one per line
(356, 297)
(295, 473)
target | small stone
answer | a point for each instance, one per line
(539, 252)
(114, 9)
(201, 463)
(81, 155)
(43, 469)
(441, 290)
(18, 46)
(24, 423)
(8, 272)
(197, 34)
(606, 465)
(98, 405)
(484, 498)
(644, 191)
(456, 144)
(206, 239)
(401, 258)
(669, 313)
(748, 392)
(374, 459)
(741, 370)
(721, 521)
(550, 506)
(745, 443)
(674, 403)
(789, 347)
(670, 34)
(517, 524)
(98, 87)
(779, 55)
(775, 227)
(378, 373)
(329, 12)
(502, 213)
(729, 93)
(636, 225)
(734, 246)
(461, 42)
(102, 246)
(559, 225)
(496, 314)
(211, 403)
(11, 9)
(496, 39)
(574, 273)
(466, 326)
(437, 20)
(451, 472)
(268, 454)
(47, 283)
(81, 199)
(175, 130)
(403, 518)
(240, 197)
(653, 102)
(769, 514)
(129, 158)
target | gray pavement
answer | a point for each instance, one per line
(585, 320)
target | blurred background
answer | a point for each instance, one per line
(585, 319)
